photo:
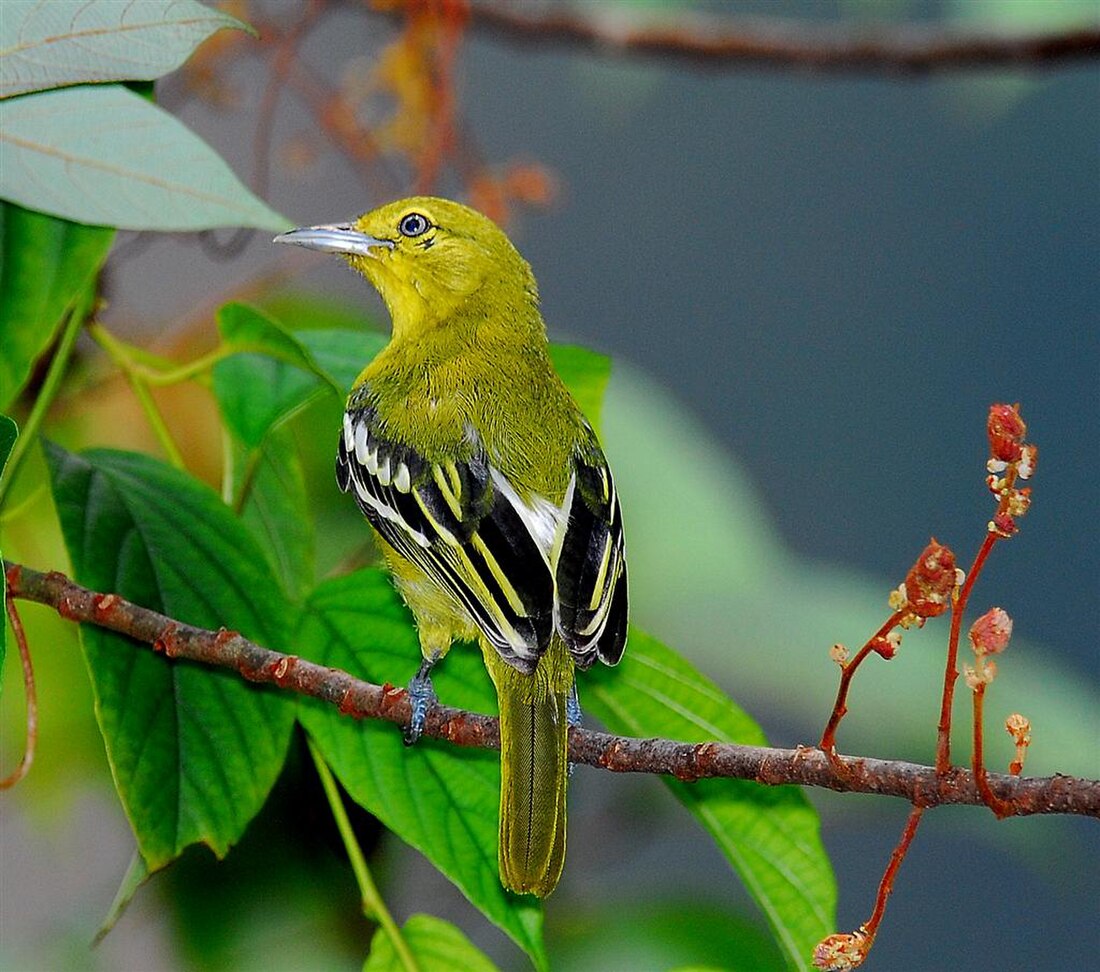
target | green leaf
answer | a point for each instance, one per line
(276, 510)
(194, 750)
(343, 353)
(442, 801)
(45, 45)
(256, 392)
(275, 375)
(106, 156)
(44, 263)
(9, 432)
(585, 374)
(769, 834)
(437, 946)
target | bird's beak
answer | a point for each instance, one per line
(334, 238)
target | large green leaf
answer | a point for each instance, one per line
(437, 946)
(194, 750)
(769, 834)
(45, 45)
(107, 156)
(442, 801)
(44, 263)
(9, 432)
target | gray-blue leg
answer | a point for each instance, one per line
(572, 712)
(573, 707)
(421, 696)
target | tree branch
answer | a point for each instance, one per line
(804, 766)
(732, 43)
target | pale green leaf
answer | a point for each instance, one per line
(106, 156)
(435, 944)
(61, 42)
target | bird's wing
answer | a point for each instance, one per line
(456, 522)
(590, 572)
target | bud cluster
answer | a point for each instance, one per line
(841, 951)
(928, 588)
(1010, 459)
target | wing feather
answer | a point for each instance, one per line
(450, 521)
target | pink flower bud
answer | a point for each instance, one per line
(1006, 432)
(989, 635)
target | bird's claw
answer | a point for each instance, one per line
(421, 697)
(573, 715)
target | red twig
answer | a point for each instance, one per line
(951, 671)
(31, 695)
(995, 803)
(847, 673)
(886, 885)
(844, 951)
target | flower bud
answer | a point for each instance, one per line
(931, 581)
(1006, 432)
(989, 635)
(841, 952)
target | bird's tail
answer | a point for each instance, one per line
(533, 772)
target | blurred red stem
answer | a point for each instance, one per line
(31, 693)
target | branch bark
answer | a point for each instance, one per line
(804, 766)
(713, 42)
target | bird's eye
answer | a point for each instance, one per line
(413, 225)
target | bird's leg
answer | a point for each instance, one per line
(573, 707)
(573, 714)
(421, 695)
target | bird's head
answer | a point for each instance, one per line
(426, 257)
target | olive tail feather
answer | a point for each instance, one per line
(534, 769)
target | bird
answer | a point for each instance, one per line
(498, 514)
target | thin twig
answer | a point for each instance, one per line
(730, 43)
(847, 673)
(805, 766)
(31, 696)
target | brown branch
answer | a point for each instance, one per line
(714, 42)
(803, 766)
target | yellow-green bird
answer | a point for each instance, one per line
(495, 503)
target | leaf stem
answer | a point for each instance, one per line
(373, 905)
(123, 356)
(47, 393)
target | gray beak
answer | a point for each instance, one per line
(333, 238)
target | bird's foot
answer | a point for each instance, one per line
(421, 696)
(573, 715)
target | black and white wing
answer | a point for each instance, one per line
(454, 522)
(590, 573)
(519, 568)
